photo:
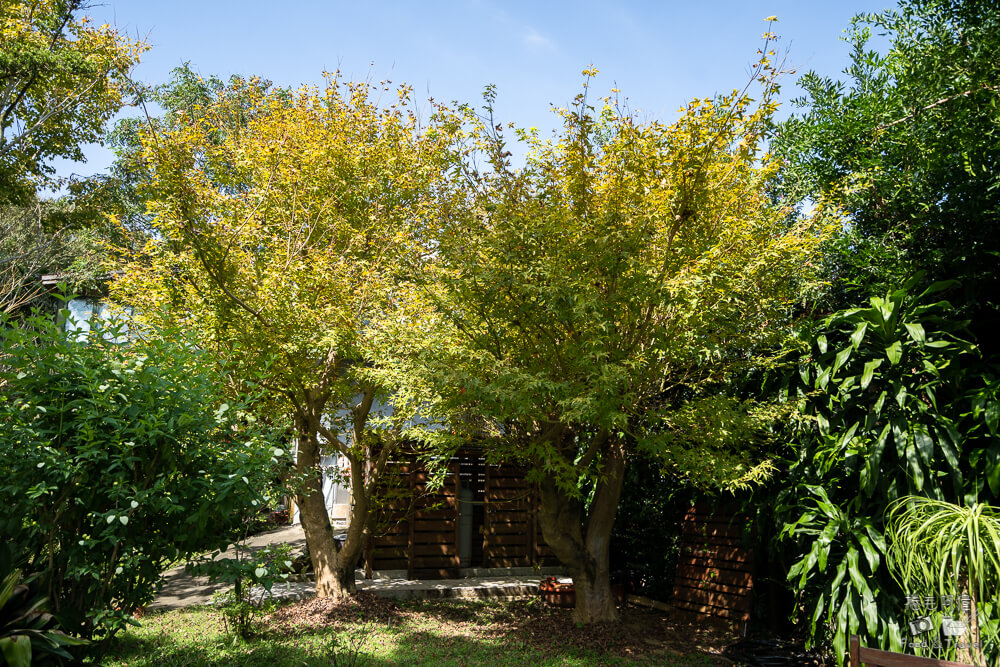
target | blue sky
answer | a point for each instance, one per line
(660, 54)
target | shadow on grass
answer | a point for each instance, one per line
(425, 633)
(415, 648)
(642, 634)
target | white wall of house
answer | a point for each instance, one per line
(81, 313)
(336, 489)
(84, 312)
(336, 470)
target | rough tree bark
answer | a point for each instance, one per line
(334, 564)
(581, 539)
(313, 515)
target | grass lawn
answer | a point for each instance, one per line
(432, 632)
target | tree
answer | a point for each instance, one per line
(281, 241)
(908, 147)
(596, 296)
(26, 250)
(120, 193)
(61, 79)
(48, 236)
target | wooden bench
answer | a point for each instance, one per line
(874, 657)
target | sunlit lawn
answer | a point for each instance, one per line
(428, 633)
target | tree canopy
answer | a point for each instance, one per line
(907, 145)
(596, 296)
(61, 79)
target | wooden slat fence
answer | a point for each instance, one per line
(714, 567)
(512, 536)
(420, 531)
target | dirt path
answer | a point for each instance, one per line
(181, 589)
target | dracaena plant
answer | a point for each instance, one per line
(886, 412)
(29, 634)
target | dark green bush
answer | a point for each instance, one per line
(894, 404)
(646, 537)
(117, 459)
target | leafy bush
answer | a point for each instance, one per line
(891, 410)
(241, 609)
(117, 459)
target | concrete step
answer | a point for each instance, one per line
(409, 589)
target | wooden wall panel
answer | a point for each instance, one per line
(422, 530)
(714, 568)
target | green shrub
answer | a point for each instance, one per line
(892, 408)
(117, 459)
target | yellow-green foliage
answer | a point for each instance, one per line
(283, 221)
(627, 268)
(63, 78)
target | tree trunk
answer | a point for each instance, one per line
(333, 565)
(970, 649)
(315, 519)
(581, 540)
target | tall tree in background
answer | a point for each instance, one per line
(280, 241)
(61, 79)
(910, 147)
(595, 296)
(900, 402)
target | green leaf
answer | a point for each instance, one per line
(823, 379)
(838, 579)
(901, 395)
(809, 562)
(877, 409)
(993, 475)
(916, 331)
(825, 538)
(847, 435)
(840, 638)
(871, 554)
(894, 352)
(841, 359)
(916, 470)
(859, 335)
(823, 501)
(7, 588)
(16, 650)
(869, 372)
(949, 448)
(818, 611)
(925, 444)
(936, 287)
(857, 578)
